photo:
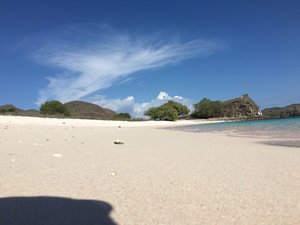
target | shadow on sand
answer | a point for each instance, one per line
(53, 211)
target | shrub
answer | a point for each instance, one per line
(122, 116)
(54, 108)
(169, 111)
(207, 109)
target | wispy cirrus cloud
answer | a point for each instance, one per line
(92, 59)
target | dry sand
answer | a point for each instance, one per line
(158, 177)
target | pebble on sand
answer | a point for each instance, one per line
(113, 174)
(118, 142)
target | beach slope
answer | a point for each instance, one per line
(157, 176)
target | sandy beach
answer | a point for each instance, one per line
(158, 177)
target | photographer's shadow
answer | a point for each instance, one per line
(53, 211)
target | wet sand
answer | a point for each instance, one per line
(284, 143)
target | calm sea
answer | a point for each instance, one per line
(275, 128)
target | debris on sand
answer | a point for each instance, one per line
(118, 142)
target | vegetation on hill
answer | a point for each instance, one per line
(54, 108)
(169, 111)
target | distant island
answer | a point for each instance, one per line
(235, 109)
(283, 112)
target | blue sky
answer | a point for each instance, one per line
(130, 55)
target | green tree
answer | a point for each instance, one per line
(54, 108)
(169, 111)
(182, 110)
(207, 109)
(122, 116)
(164, 112)
(153, 113)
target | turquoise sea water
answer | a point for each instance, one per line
(275, 128)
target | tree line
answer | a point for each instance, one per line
(169, 111)
(172, 110)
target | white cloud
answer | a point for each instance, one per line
(163, 95)
(136, 109)
(94, 58)
(178, 97)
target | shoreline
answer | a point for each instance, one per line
(265, 140)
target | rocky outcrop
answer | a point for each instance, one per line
(242, 107)
(284, 112)
(85, 110)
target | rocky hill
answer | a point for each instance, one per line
(9, 109)
(240, 107)
(13, 110)
(284, 112)
(85, 110)
(77, 109)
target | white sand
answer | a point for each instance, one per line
(96, 123)
(158, 177)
